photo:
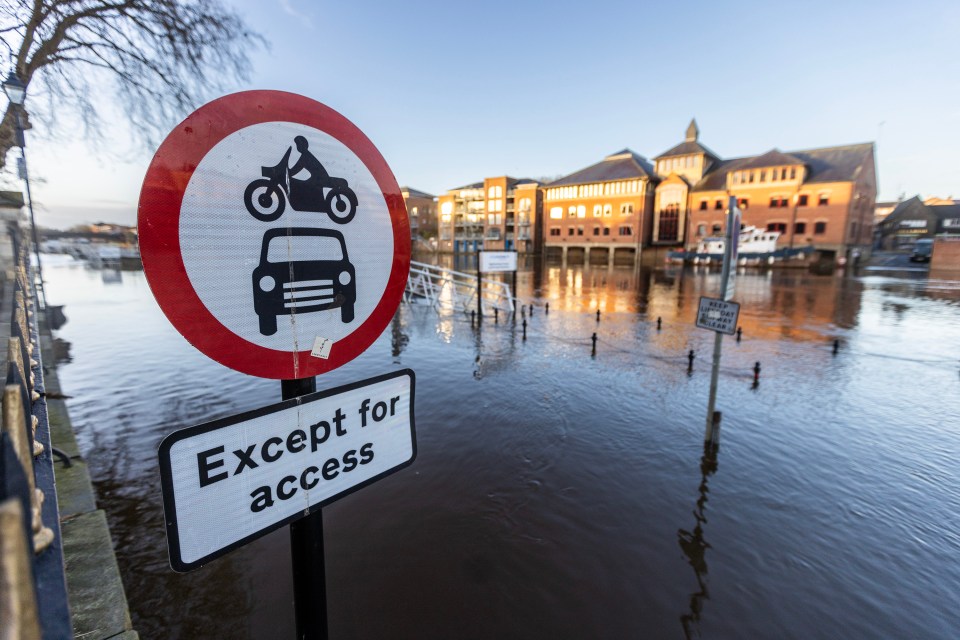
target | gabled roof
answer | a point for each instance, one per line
(685, 149)
(830, 164)
(473, 185)
(910, 209)
(415, 193)
(622, 165)
(772, 158)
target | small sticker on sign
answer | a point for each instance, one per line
(321, 348)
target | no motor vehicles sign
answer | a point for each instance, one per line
(274, 235)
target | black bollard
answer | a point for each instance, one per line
(593, 352)
(756, 374)
(739, 333)
(546, 309)
(690, 357)
(524, 328)
(836, 346)
(523, 311)
(598, 315)
(496, 315)
(473, 317)
(659, 322)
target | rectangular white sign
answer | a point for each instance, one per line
(230, 481)
(495, 261)
(718, 315)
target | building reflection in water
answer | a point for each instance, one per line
(694, 545)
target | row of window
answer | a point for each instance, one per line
(776, 174)
(799, 228)
(597, 230)
(776, 202)
(606, 210)
(670, 164)
(622, 187)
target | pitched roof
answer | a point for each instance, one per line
(686, 148)
(415, 193)
(472, 185)
(623, 165)
(945, 211)
(830, 164)
(772, 158)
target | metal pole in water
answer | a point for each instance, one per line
(726, 292)
(479, 288)
(306, 551)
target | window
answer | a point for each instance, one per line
(413, 212)
(581, 211)
(445, 234)
(717, 229)
(625, 231)
(524, 204)
(718, 205)
(743, 203)
(701, 230)
(607, 210)
(579, 231)
(596, 231)
(556, 213)
(494, 192)
(853, 231)
(572, 212)
(626, 209)
(823, 200)
(750, 174)
(819, 228)
(778, 202)
(803, 200)
(606, 231)
(446, 208)
(597, 211)
(554, 231)
(793, 172)
(800, 227)
(783, 174)
(703, 205)
(777, 226)
(570, 231)
(763, 175)
(669, 223)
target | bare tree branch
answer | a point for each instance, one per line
(161, 58)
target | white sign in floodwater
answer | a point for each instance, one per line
(718, 315)
(228, 482)
(498, 261)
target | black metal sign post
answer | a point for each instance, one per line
(479, 290)
(306, 551)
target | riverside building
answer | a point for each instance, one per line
(822, 198)
(497, 214)
(421, 211)
(601, 214)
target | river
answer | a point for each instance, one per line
(558, 494)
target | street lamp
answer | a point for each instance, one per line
(17, 91)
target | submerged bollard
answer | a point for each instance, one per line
(739, 333)
(524, 328)
(598, 315)
(659, 322)
(715, 429)
(690, 357)
(496, 315)
(473, 317)
(593, 351)
(836, 346)
(523, 311)
(756, 374)
(546, 308)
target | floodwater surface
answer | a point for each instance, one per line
(558, 494)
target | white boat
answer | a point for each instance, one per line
(754, 246)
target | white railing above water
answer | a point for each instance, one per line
(448, 289)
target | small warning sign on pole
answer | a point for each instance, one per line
(718, 315)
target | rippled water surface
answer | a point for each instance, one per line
(559, 495)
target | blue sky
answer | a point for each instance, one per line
(451, 92)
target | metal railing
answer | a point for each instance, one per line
(446, 288)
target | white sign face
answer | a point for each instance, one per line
(494, 261)
(718, 315)
(228, 482)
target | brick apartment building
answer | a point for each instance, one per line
(623, 208)
(422, 211)
(498, 214)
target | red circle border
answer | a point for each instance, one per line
(158, 221)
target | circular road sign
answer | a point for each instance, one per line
(274, 235)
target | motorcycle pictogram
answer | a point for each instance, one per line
(266, 198)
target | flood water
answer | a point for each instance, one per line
(559, 495)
